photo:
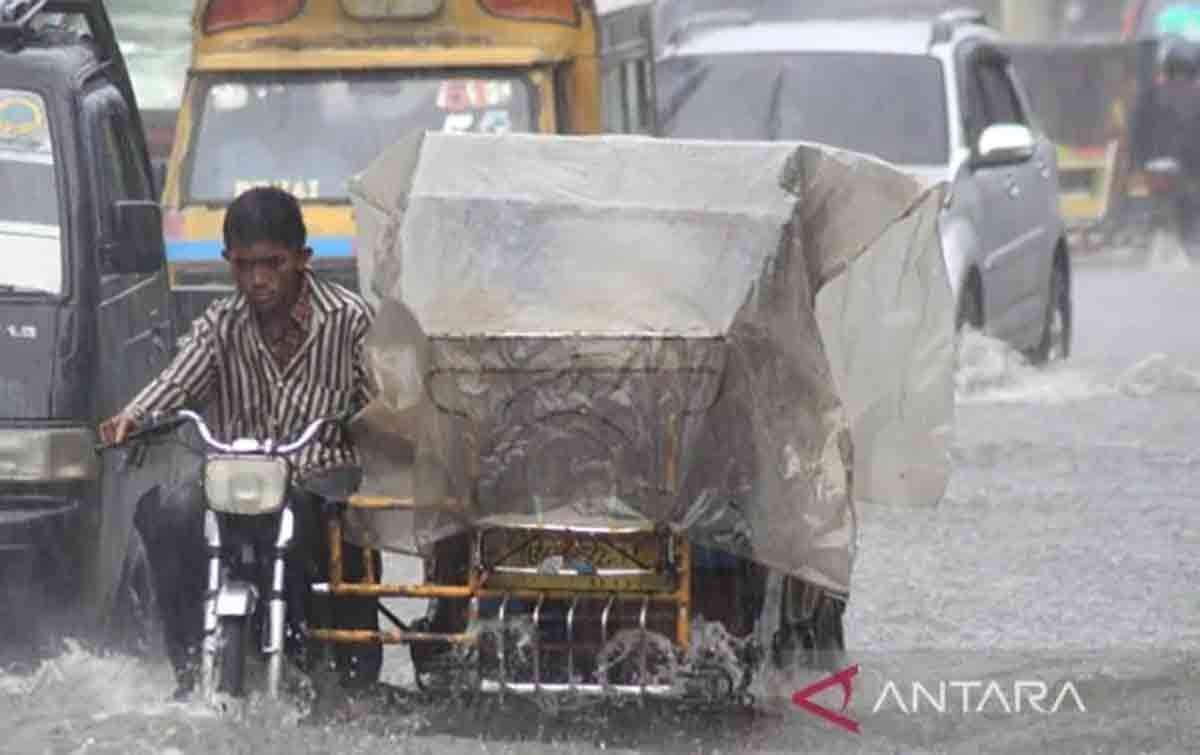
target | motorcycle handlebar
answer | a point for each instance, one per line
(185, 416)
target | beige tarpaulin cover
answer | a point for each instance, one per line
(603, 330)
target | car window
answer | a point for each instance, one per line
(831, 98)
(31, 254)
(997, 95)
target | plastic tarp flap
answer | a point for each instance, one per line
(614, 330)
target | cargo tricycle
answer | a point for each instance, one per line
(629, 394)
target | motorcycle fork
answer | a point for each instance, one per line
(277, 606)
(275, 625)
(209, 649)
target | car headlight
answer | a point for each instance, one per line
(47, 454)
(245, 485)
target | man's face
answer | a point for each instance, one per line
(268, 274)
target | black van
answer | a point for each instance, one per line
(84, 319)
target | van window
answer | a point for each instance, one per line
(121, 174)
(31, 255)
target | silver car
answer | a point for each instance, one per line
(937, 98)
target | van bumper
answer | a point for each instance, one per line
(40, 532)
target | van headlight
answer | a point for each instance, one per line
(48, 454)
(245, 485)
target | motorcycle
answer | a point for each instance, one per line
(1172, 165)
(249, 529)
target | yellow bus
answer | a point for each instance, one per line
(305, 93)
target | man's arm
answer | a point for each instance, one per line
(362, 380)
(187, 380)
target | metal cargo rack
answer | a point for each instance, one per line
(673, 594)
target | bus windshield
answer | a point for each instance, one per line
(310, 133)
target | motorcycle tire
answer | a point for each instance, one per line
(231, 669)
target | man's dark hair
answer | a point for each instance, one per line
(264, 213)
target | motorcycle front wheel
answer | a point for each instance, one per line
(231, 665)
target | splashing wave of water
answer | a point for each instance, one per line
(990, 372)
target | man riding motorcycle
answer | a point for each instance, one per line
(284, 350)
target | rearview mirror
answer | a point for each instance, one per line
(1005, 144)
(138, 247)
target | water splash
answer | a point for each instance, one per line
(1157, 374)
(115, 684)
(620, 658)
(1167, 253)
(991, 372)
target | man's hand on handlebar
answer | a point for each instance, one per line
(114, 431)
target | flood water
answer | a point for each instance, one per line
(1066, 550)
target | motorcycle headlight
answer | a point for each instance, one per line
(47, 454)
(248, 486)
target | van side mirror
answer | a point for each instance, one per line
(1005, 144)
(138, 247)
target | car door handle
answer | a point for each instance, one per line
(1014, 189)
(1043, 169)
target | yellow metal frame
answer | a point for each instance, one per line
(474, 589)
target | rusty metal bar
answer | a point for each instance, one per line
(400, 503)
(672, 444)
(359, 590)
(369, 576)
(389, 637)
(683, 621)
(335, 553)
(663, 597)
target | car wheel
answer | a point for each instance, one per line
(1057, 329)
(970, 307)
(812, 634)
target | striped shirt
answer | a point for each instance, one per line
(227, 371)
